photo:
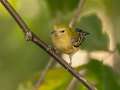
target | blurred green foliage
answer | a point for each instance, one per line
(64, 6)
(21, 60)
(94, 27)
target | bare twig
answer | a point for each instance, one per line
(74, 82)
(43, 74)
(30, 36)
(77, 13)
(72, 85)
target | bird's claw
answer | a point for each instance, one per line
(50, 48)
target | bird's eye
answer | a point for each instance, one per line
(62, 31)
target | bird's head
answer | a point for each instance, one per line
(60, 30)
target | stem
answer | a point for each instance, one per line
(77, 13)
(43, 74)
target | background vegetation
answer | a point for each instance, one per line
(21, 61)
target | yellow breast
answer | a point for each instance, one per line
(63, 44)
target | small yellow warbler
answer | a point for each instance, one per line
(67, 40)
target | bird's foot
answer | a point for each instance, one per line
(50, 48)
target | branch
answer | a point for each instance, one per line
(30, 36)
(77, 13)
(43, 74)
(72, 85)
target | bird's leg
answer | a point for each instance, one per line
(70, 63)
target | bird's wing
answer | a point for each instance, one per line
(78, 38)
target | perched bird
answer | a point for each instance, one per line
(67, 40)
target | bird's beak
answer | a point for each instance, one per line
(55, 33)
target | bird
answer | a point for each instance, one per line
(67, 40)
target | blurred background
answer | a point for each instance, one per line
(21, 62)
